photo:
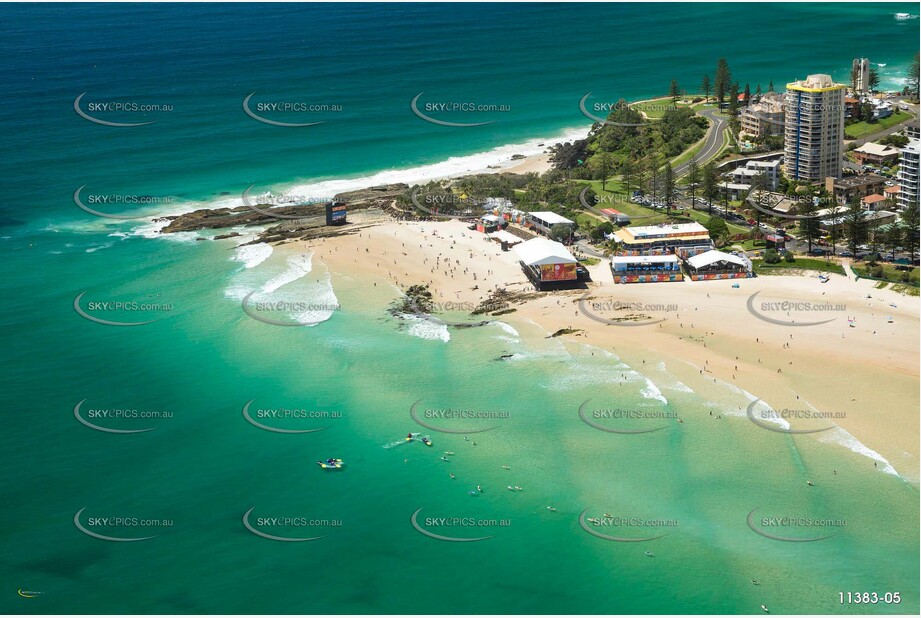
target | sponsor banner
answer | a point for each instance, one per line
(558, 272)
(648, 278)
(715, 276)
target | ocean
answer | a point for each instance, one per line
(357, 374)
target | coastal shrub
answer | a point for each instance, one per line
(899, 141)
(718, 229)
(788, 257)
(600, 230)
(635, 138)
(771, 257)
(559, 232)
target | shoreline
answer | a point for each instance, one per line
(711, 347)
(709, 344)
(533, 157)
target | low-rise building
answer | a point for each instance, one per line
(661, 239)
(838, 220)
(545, 220)
(851, 107)
(746, 173)
(872, 153)
(616, 216)
(776, 202)
(549, 265)
(735, 191)
(874, 201)
(717, 265)
(847, 188)
(881, 217)
(645, 268)
(764, 117)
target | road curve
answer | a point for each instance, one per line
(714, 141)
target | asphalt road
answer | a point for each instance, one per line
(714, 141)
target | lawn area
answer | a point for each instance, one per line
(588, 220)
(797, 266)
(862, 129)
(702, 217)
(886, 272)
(751, 245)
(690, 152)
(656, 108)
(616, 197)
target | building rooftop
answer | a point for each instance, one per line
(874, 199)
(708, 258)
(880, 214)
(665, 230)
(878, 150)
(913, 145)
(818, 82)
(539, 251)
(550, 217)
(735, 186)
(861, 180)
(644, 259)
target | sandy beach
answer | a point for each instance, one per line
(861, 365)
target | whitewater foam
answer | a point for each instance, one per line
(426, 328)
(252, 255)
(488, 161)
(843, 438)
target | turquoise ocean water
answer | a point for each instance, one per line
(203, 467)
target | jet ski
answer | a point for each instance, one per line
(331, 464)
(426, 440)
